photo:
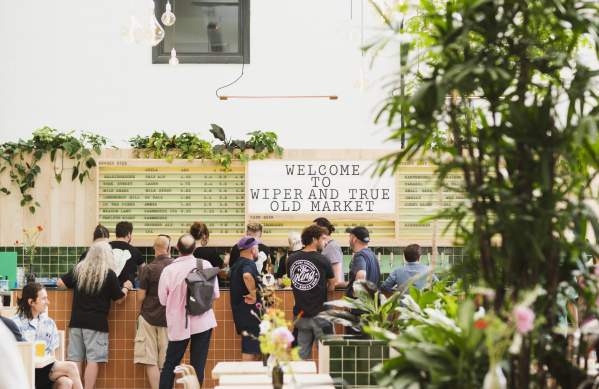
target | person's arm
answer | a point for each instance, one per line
(143, 284)
(55, 341)
(339, 276)
(330, 274)
(116, 292)
(66, 281)
(359, 267)
(216, 288)
(163, 288)
(335, 255)
(390, 282)
(250, 284)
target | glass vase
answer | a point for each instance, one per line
(277, 377)
(495, 379)
(30, 275)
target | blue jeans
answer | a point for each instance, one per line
(174, 353)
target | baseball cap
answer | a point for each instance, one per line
(359, 232)
(247, 242)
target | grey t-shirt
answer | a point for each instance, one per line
(333, 252)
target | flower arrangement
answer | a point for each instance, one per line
(276, 337)
(29, 244)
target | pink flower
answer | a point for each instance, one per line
(282, 335)
(258, 305)
(525, 318)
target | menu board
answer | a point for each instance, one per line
(162, 198)
(420, 197)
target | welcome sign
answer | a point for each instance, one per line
(318, 187)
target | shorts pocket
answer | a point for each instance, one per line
(139, 348)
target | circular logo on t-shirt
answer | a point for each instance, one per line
(304, 274)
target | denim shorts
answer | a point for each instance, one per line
(87, 345)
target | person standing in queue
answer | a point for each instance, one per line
(201, 234)
(363, 267)
(95, 285)
(311, 277)
(181, 327)
(244, 297)
(333, 252)
(151, 339)
(253, 230)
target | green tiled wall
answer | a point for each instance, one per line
(352, 361)
(54, 261)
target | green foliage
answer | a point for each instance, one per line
(372, 309)
(160, 145)
(189, 146)
(505, 102)
(21, 158)
(264, 142)
(438, 350)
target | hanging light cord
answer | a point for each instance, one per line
(231, 83)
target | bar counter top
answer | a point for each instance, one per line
(120, 371)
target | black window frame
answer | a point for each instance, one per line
(160, 57)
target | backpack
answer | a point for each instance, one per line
(200, 289)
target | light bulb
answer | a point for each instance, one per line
(168, 17)
(153, 30)
(173, 60)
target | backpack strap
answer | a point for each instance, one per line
(199, 263)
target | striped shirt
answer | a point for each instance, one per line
(41, 328)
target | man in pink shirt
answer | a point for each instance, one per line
(172, 292)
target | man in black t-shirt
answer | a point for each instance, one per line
(126, 257)
(244, 297)
(311, 277)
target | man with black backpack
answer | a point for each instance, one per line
(183, 289)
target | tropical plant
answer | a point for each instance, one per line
(506, 102)
(266, 141)
(371, 308)
(160, 145)
(437, 350)
(190, 146)
(20, 159)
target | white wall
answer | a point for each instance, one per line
(64, 63)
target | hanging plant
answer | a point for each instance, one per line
(21, 159)
(189, 146)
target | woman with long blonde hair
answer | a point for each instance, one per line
(95, 285)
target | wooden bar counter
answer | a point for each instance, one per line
(120, 372)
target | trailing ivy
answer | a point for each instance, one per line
(190, 146)
(21, 159)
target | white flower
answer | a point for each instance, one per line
(479, 314)
(264, 326)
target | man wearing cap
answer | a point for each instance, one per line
(244, 297)
(364, 265)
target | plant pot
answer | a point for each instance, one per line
(277, 377)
